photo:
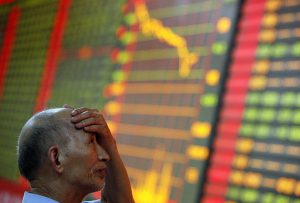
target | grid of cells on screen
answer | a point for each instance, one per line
(202, 95)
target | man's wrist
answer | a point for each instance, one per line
(112, 149)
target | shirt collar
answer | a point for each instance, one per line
(34, 198)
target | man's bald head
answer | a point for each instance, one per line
(42, 130)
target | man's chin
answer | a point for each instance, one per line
(99, 185)
(97, 182)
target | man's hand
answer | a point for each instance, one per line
(92, 121)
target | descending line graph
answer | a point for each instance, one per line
(161, 102)
(153, 27)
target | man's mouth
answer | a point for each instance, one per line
(101, 172)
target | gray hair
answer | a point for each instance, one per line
(42, 131)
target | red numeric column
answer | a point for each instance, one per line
(8, 42)
(54, 48)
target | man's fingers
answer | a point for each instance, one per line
(81, 110)
(91, 120)
(92, 128)
(88, 122)
(85, 115)
(104, 132)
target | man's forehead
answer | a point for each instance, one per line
(63, 113)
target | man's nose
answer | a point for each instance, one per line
(102, 154)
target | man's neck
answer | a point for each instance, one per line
(56, 191)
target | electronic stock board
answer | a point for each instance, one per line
(256, 148)
(158, 69)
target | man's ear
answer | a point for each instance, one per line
(54, 156)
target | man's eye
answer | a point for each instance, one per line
(92, 139)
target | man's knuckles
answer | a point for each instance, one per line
(85, 115)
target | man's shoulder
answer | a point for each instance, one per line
(35, 198)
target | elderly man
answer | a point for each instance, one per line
(67, 153)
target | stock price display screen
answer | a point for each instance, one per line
(202, 96)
